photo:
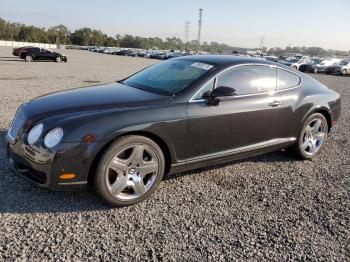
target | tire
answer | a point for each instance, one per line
(309, 144)
(344, 72)
(28, 58)
(316, 70)
(123, 176)
(58, 59)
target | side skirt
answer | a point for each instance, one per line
(233, 154)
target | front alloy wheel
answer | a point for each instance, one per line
(130, 170)
(344, 72)
(58, 59)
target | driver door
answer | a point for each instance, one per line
(247, 119)
(46, 54)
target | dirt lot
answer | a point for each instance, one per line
(270, 207)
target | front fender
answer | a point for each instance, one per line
(167, 123)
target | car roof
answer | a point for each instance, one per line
(227, 60)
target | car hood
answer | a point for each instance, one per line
(107, 96)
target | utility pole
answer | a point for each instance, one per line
(187, 30)
(262, 40)
(200, 27)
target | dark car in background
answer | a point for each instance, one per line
(36, 53)
(336, 68)
(309, 66)
(321, 67)
(17, 51)
(158, 55)
(178, 115)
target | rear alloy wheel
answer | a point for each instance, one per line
(58, 59)
(316, 70)
(344, 72)
(129, 171)
(29, 58)
(312, 137)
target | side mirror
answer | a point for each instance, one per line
(221, 91)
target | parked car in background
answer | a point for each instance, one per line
(158, 55)
(321, 67)
(36, 53)
(271, 58)
(174, 54)
(336, 68)
(17, 51)
(288, 61)
(309, 67)
(299, 63)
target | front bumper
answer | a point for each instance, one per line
(43, 166)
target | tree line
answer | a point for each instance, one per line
(60, 34)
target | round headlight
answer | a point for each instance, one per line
(34, 134)
(53, 137)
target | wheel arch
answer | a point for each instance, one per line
(158, 140)
(323, 111)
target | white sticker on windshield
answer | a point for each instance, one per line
(202, 66)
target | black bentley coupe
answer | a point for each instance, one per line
(30, 54)
(177, 115)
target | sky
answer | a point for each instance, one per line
(239, 23)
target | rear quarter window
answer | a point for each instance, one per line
(286, 79)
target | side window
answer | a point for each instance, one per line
(287, 79)
(208, 87)
(249, 79)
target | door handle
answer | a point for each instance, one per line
(275, 103)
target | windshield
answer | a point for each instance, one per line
(170, 77)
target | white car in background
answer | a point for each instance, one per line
(300, 62)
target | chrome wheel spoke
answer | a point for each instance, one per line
(119, 165)
(319, 136)
(305, 144)
(316, 126)
(119, 185)
(139, 186)
(148, 167)
(137, 154)
(312, 146)
(309, 129)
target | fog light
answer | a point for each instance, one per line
(67, 176)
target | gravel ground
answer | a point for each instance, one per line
(270, 207)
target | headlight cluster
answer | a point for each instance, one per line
(52, 138)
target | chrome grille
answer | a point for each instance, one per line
(16, 125)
